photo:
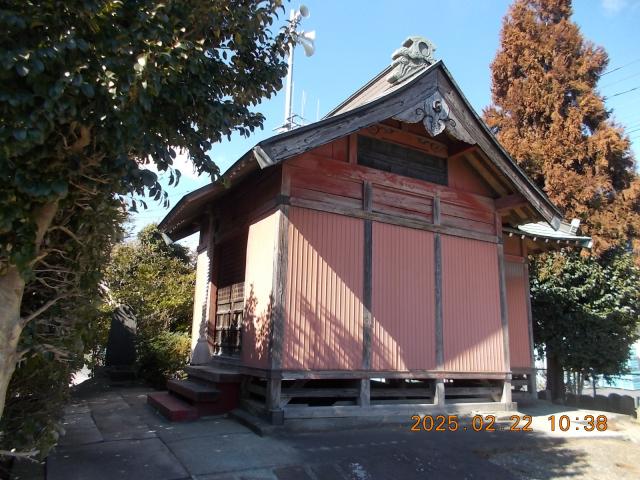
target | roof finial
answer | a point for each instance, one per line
(415, 53)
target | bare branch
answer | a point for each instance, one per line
(44, 308)
(28, 455)
(67, 231)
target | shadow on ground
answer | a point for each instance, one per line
(113, 434)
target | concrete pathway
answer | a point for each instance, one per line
(112, 434)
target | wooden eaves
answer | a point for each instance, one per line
(487, 155)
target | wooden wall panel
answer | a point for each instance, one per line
(519, 345)
(513, 245)
(403, 299)
(323, 310)
(258, 293)
(338, 184)
(464, 178)
(471, 306)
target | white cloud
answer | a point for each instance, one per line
(612, 7)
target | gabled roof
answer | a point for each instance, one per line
(374, 103)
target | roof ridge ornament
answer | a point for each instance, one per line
(415, 53)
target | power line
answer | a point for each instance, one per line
(622, 93)
(621, 80)
(620, 67)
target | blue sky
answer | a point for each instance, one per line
(355, 40)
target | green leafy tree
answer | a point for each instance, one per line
(586, 311)
(54, 342)
(91, 91)
(550, 117)
(156, 281)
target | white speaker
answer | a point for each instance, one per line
(307, 40)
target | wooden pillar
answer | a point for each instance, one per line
(532, 385)
(504, 313)
(279, 288)
(274, 398)
(200, 352)
(367, 320)
(364, 392)
(276, 339)
(439, 395)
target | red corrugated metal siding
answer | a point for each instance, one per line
(258, 284)
(471, 306)
(519, 345)
(403, 299)
(323, 317)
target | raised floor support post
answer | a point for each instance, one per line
(274, 410)
(438, 394)
(532, 384)
(506, 391)
(364, 396)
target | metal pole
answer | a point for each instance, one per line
(287, 101)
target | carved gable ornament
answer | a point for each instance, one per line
(414, 54)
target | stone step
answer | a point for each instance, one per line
(172, 407)
(194, 390)
(213, 374)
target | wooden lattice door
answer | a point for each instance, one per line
(227, 333)
(229, 312)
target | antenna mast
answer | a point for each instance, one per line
(306, 39)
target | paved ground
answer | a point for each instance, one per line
(113, 434)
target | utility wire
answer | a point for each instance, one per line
(621, 80)
(620, 67)
(623, 92)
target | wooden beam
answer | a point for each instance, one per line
(436, 209)
(402, 137)
(504, 314)
(367, 320)
(391, 219)
(463, 151)
(533, 388)
(274, 399)
(439, 324)
(510, 202)
(353, 149)
(395, 410)
(281, 260)
(439, 393)
(367, 196)
(364, 394)
(302, 139)
(411, 374)
(486, 175)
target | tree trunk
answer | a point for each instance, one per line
(555, 377)
(11, 290)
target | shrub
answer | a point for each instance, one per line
(163, 356)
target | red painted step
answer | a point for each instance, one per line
(194, 390)
(172, 407)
